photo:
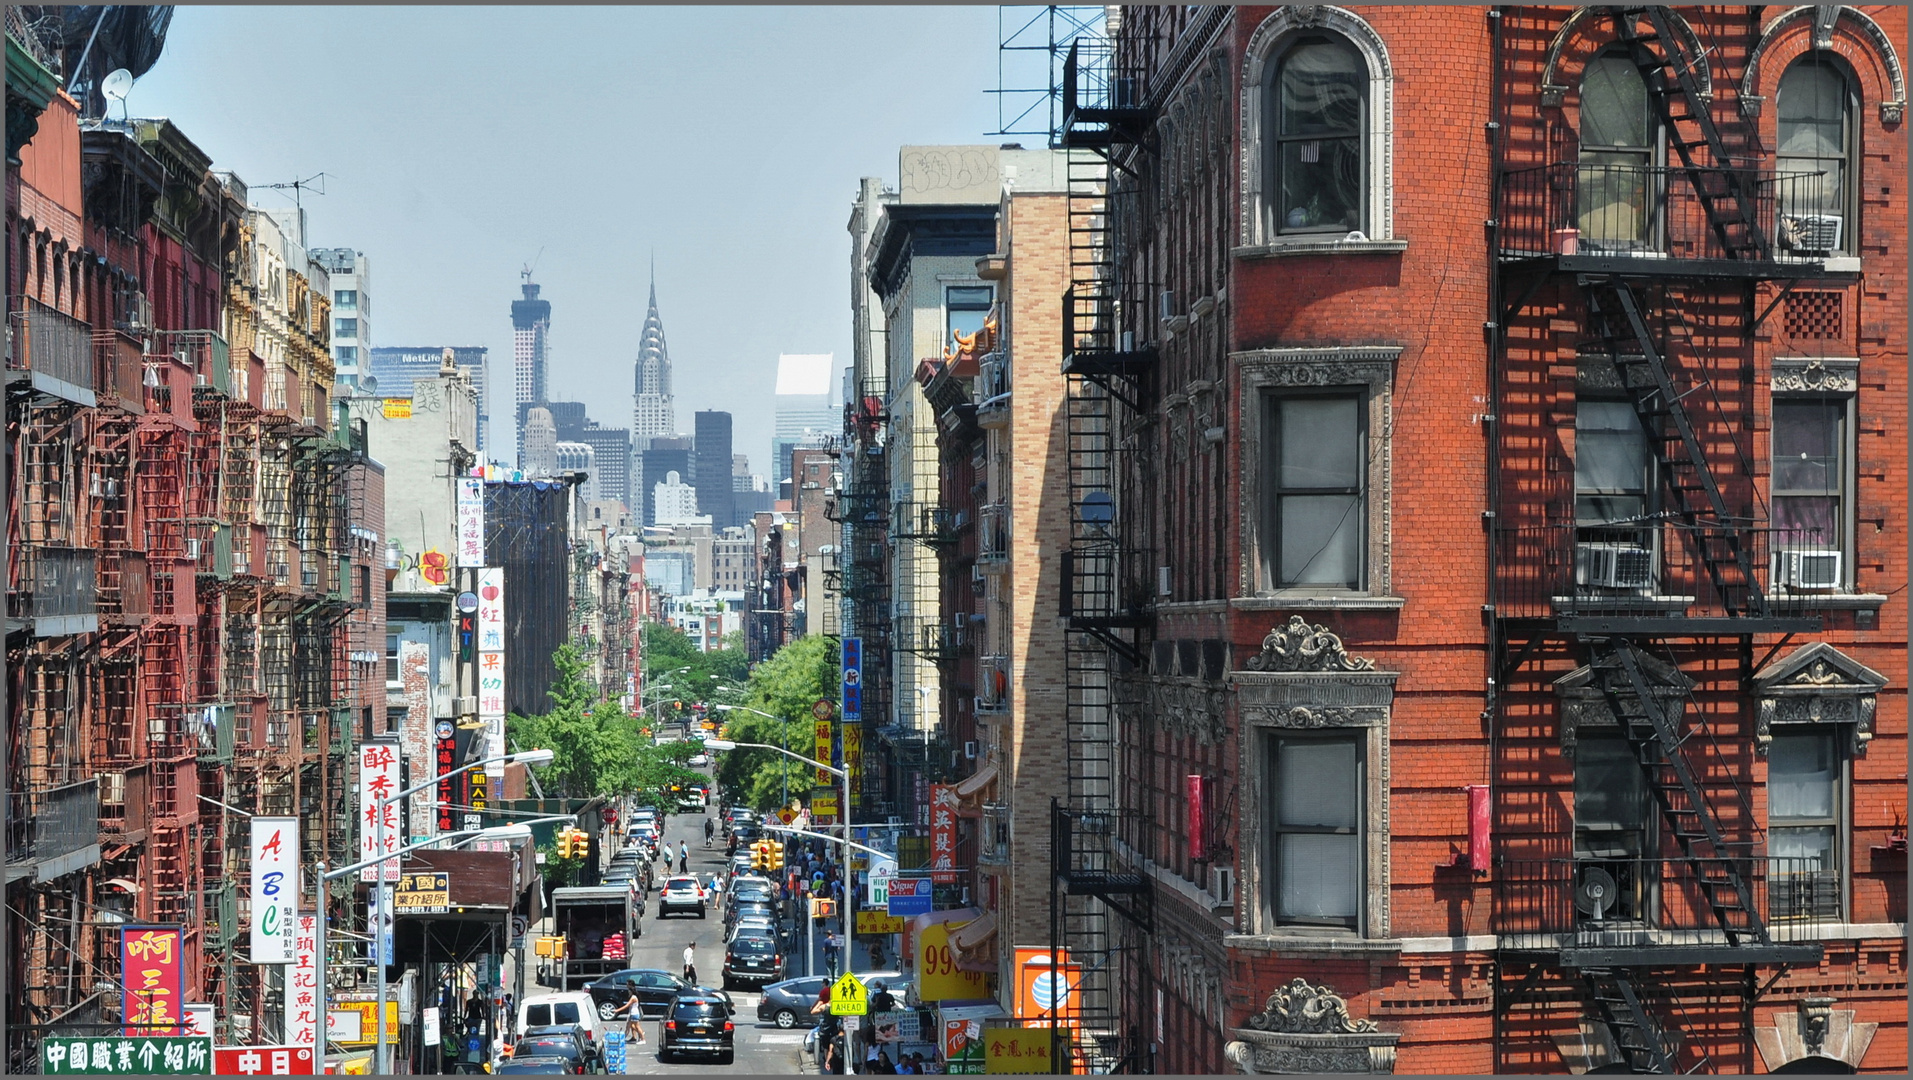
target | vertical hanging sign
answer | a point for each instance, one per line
(378, 781)
(943, 808)
(820, 751)
(471, 523)
(444, 755)
(275, 882)
(853, 711)
(302, 990)
(491, 673)
(152, 980)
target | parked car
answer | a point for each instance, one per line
(753, 924)
(681, 894)
(697, 1023)
(788, 1003)
(753, 958)
(565, 1010)
(566, 1041)
(699, 759)
(746, 908)
(655, 986)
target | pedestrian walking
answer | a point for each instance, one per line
(830, 953)
(684, 857)
(690, 963)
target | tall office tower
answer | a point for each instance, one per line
(538, 452)
(653, 413)
(531, 329)
(711, 466)
(805, 416)
(666, 454)
(396, 366)
(351, 279)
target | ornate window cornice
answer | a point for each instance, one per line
(1816, 684)
(1308, 1029)
(1810, 374)
(1826, 19)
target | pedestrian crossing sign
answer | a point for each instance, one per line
(848, 997)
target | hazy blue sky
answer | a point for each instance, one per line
(462, 140)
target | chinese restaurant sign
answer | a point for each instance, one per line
(943, 807)
(153, 979)
(302, 1001)
(120, 1055)
(378, 781)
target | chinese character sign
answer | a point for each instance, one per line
(943, 807)
(262, 1061)
(853, 741)
(378, 781)
(303, 1007)
(821, 746)
(444, 755)
(853, 710)
(471, 523)
(152, 977)
(491, 609)
(122, 1055)
(1016, 1050)
(275, 882)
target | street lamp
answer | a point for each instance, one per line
(382, 1060)
(785, 720)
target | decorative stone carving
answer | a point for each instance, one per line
(1815, 1029)
(1300, 647)
(1815, 374)
(1826, 19)
(1583, 704)
(1816, 684)
(1307, 1029)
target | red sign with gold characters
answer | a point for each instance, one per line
(152, 973)
(943, 808)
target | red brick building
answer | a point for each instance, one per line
(1488, 484)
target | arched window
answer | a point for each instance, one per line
(1317, 179)
(1616, 192)
(1815, 113)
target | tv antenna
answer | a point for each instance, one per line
(300, 187)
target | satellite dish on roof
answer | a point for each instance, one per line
(117, 84)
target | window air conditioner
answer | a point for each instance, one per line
(1222, 884)
(969, 750)
(465, 706)
(1811, 232)
(1810, 569)
(1615, 566)
(959, 620)
(1168, 305)
(1605, 890)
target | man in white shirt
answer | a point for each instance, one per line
(690, 963)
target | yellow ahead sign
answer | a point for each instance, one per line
(848, 997)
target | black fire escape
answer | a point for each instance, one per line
(1630, 936)
(862, 575)
(1094, 838)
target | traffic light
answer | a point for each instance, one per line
(760, 855)
(776, 854)
(564, 843)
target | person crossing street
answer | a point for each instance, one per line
(690, 963)
(684, 857)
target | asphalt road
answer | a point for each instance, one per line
(761, 1048)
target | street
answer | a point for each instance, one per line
(761, 1047)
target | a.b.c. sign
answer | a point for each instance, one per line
(909, 896)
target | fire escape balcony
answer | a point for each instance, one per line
(993, 538)
(58, 591)
(54, 831)
(925, 523)
(1649, 578)
(993, 391)
(1601, 912)
(49, 352)
(204, 353)
(993, 685)
(1652, 221)
(119, 364)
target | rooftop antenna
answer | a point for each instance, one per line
(300, 187)
(117, 84)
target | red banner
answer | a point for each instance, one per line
(152, 974)
(943, 808)
(262, 1061)
(1198, 834)
(447, 742)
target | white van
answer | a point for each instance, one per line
(542, 1010)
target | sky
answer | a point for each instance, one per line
(462, 143)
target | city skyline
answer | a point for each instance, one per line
(452, 211)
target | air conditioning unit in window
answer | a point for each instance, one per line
(1222, 884)
(1811, 232)
(1606, 889)
(465, 706)
(1808, 569)
(1614, 566)
(969, 750)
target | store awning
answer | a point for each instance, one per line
(974, 791)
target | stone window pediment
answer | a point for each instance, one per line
(1308, 1029)
(1583, 703)
(1816, 684)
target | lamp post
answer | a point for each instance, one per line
(382, 1061)
(843, 816)
(785, 720)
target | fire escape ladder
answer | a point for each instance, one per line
(1644, 1046)
(1724, 188)
(1656, 739)
(1618, 325)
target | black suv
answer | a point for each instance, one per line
(567, 1041)
(697, 1022)
(753, 958)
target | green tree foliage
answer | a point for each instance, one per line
(785, 686)
(669, 652)
(600, 751)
